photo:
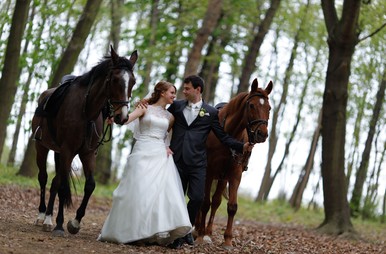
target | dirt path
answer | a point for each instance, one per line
(18, 235)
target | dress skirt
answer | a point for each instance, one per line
(148, 204)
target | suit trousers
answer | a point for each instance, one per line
(193, 184)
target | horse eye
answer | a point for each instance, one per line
(251, 106)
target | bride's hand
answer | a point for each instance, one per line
(169, 151)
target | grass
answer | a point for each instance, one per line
(8, 176)
(275, 211)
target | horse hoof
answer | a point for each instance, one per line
(58, 233)
(73, 227)
(38, 222)
(40, 219)
(227, 247)
(47, 227)
(207, 239)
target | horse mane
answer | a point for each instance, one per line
(235, 103)
(103, 67)
(233, 112)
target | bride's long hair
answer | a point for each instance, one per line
(160, 87)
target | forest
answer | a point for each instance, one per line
(326, 60)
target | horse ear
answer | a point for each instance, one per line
(133, 57)
(268, 89)
(114, 55)
(254, 85)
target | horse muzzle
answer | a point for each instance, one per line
(260, 136)
(122, 116)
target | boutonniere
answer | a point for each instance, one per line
(203, 112)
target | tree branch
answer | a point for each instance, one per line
(373, 33)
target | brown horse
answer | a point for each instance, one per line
(69, 121)
(245, 118)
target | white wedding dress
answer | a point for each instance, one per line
(148, 204)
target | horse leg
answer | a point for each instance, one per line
(231, 209)
(216, 202)
(88, 161)
(201, 218)
(41, 161)
(55, 184)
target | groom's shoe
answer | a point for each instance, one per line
(177, 244)
(189, 239)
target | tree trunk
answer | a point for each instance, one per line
(286, 82)
(342, 39)
(249, 64)
(362, 170)
(297, 194)
(353, 157)
(153, 27)
(29, 167)
(211, 66)
(103, 163)
(25, 87)
(103, 160)
(10, 72)
(116, 22)
(208, 25)
(5, 6)
(76, 44)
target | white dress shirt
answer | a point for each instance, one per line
(191, 111)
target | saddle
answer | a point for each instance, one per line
(50, 105)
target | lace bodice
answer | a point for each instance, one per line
(154, 124)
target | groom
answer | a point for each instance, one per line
(194, 119)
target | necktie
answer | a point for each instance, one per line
(191, 114)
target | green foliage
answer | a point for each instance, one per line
(8, 176)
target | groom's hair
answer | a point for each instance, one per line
(196, 81)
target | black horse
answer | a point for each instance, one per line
(69, 120)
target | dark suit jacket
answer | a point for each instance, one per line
(188, 142)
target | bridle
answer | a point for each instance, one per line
(108, 109)
(110, 103)
(254, 122)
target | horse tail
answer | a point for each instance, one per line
(66, 189)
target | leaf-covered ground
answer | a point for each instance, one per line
(18, 211)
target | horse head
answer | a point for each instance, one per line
(121, 80)
(257, 112)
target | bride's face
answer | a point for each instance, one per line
(169, 95)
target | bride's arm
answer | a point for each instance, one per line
(139, 111)
(168, 137)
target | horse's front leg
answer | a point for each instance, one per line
(231, 209)
(216, 202)
(88, 161)
(41, 161)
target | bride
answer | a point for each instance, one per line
(149, 204)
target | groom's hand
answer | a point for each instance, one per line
(248, 147)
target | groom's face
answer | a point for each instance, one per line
(191, 94)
